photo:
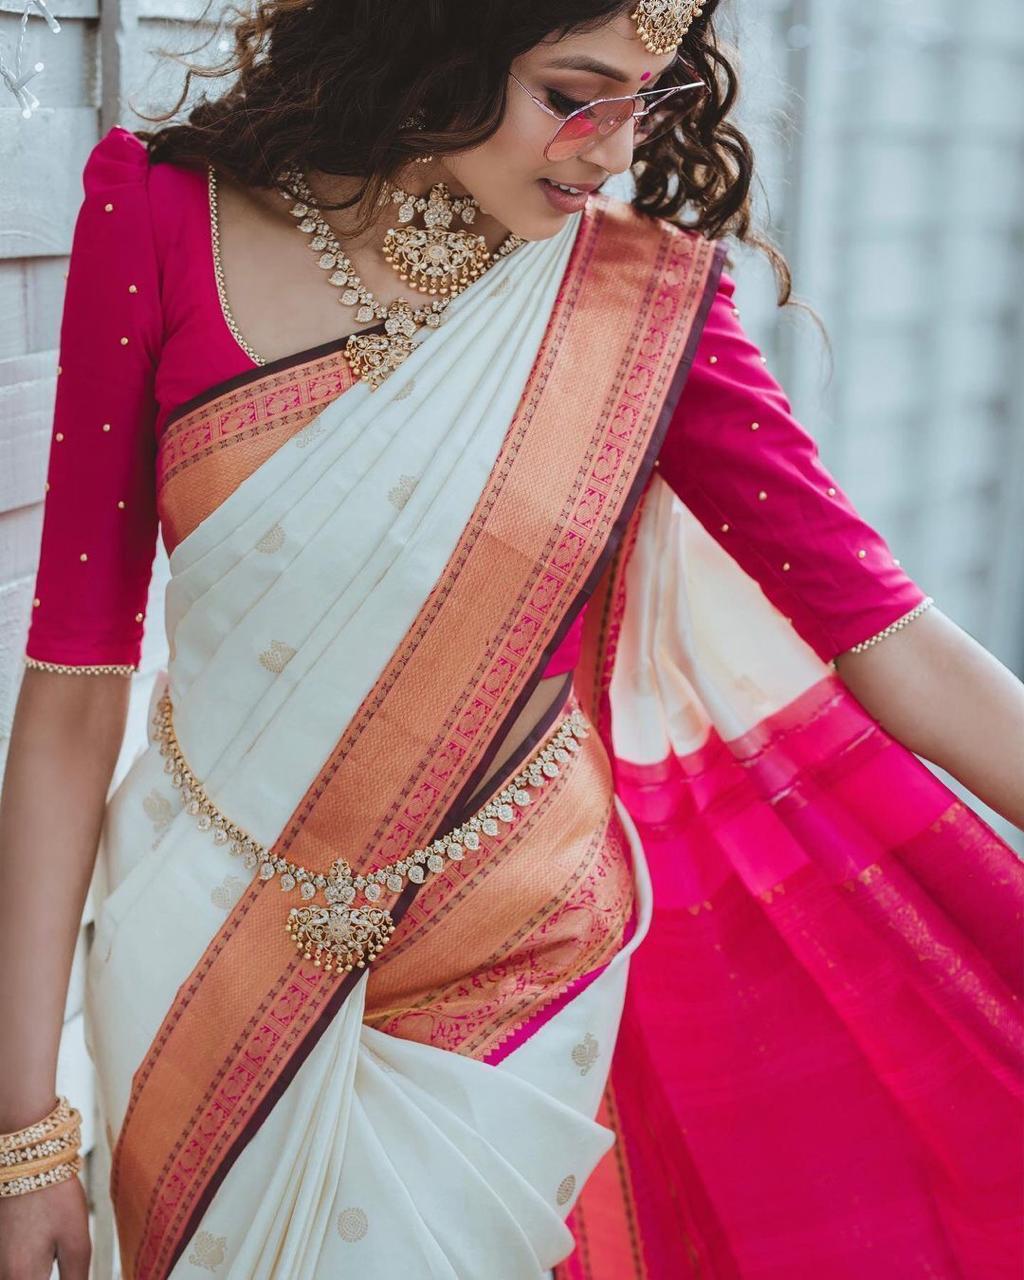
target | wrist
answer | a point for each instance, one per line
(19, 1110)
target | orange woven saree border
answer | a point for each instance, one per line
(211, 444)
(557, 495)
(499, 941)
(604, 1220)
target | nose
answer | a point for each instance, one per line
(614, 152)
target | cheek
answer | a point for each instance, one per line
(509, 159)
(505, 169)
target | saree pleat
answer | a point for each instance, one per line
(831, 1084)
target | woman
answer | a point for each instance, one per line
(519, 644)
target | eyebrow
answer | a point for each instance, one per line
(580, 62)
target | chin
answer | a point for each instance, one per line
(534, 224)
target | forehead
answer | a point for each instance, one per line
(616, 44)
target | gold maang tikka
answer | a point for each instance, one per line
(661, 24)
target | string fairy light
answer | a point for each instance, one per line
(17, 78)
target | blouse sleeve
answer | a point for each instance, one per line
(739, 460)
(99, 514)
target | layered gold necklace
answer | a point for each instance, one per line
(432, 259)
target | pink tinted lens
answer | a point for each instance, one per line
(582, 129)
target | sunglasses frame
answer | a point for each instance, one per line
(659, 94)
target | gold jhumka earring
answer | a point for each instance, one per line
(661, 24)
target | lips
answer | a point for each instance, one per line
(563, 201)
(585, 187)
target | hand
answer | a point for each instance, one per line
(39, 1226)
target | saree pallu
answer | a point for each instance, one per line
(820, 1065)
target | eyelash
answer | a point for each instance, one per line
(567, 105)
(562, 103)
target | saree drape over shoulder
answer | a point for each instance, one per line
(735, 992)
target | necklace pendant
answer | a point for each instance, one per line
(339, 938)
(433, 260)
(373, 357)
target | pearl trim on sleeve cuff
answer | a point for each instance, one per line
(66, 669)
(893, 627)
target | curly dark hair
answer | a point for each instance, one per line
(334, 86)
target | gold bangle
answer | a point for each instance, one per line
(69, 1135)
(893, 627)
(91, 669)
(56, 1117)
(60, 1173)
(30, 1168)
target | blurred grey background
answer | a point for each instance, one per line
(890, 136)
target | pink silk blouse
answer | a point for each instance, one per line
(143, 332)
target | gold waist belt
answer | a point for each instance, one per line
(342, 926)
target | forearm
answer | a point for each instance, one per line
(65, 740)
(940, 693)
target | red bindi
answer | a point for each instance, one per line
(646, 76)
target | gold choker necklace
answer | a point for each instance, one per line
(373, 357)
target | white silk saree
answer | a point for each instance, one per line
(669, 1018)
(362, 595)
